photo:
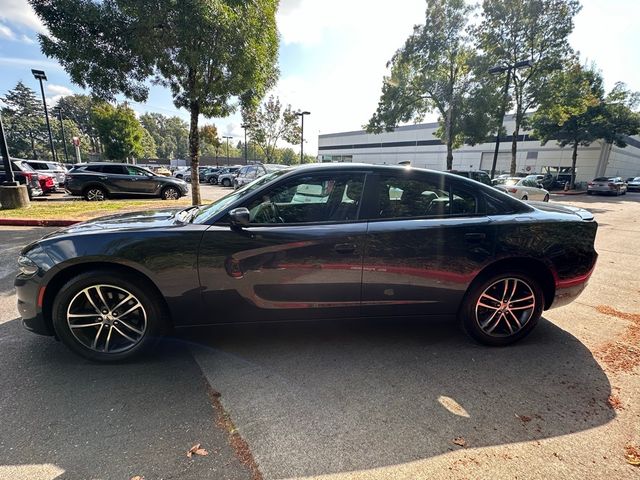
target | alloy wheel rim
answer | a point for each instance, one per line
(106, 318)
(505, 307)
(95, 194)
(171, 194)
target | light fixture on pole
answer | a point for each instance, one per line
(301, 115)
(245, 126)
(227, 138)
(496, 71)
(58, 110)
(40, 76)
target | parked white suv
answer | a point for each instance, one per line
(55, 169)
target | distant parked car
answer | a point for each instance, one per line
(48, 183)
(607, 186)
(249, 173)
(477, 175)
(55, 169)
(226, 175)
(523, 188)
(24, 175)
(180, 172)
(633, 185)
(98, 181)
(164, 171)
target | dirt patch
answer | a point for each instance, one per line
(239, 445)
(623, 354)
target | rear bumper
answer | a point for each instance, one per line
(567, 290)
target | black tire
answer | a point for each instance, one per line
(546, 198)
(155, 316)
(170, 193)
(212, 181)
(525, 198)
(226, 182)
(471, 318)
(95, 194)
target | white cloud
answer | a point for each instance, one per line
(27, 39)
(60, 90)
(6, 32)
(20, 12)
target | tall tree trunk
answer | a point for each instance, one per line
(449, 137)
(574, 158)
(514, 149)
(194, 152)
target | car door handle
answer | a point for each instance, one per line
(474, 237)
(345, 248)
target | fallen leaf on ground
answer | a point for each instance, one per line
(197, 450)
(632, 455)
(524, 418)
(614, 402)
(137, 477)
(460, 441)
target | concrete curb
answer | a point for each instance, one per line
(29, 222)
(579, 192)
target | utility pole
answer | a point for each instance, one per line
(227, 138)
(246, 156)
(40, 76)
(301, 115)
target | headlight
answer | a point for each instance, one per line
(27, 266)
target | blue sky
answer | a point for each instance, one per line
(332, 56)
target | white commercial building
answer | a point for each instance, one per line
(417, 146)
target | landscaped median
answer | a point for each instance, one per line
(63, 213)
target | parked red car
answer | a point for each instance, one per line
(47, 183)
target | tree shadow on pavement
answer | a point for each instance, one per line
(315, 399)
(83, 420)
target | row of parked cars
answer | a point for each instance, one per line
(230, 176)
(40, 177)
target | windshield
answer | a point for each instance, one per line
(216, 207)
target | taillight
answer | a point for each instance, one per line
(512, 190)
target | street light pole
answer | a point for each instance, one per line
(40, 76)
(495, 71)
(227, 138)
(64, 140)
(4, 150)
(301, 115)
(245, 126)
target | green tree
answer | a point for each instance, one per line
(120, 131)
(148, 145)
(79, 109)
(269, 123)
(25, 126)
(577, 112)
(207, 52)
(434, 71)
(209, 141)
(171, 134)
(517, 30)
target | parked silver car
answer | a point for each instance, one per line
(633, 185)
(227, 175)
(249, 173)
(607, 186)
(55, 169)
(527, 188)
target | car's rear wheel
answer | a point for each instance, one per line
(170, 193)
(546, 198)
(108, 316)
(213, 181)
(95, 194)
(502, 308)
(226, 182)
(524, 197)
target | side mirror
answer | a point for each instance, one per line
(240, 217)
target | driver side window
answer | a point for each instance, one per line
(310, 199)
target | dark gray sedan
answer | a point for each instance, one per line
(98, 181)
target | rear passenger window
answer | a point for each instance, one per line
(93, 168)
(114, 169)
(401, 196)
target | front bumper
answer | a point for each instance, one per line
(29, 294)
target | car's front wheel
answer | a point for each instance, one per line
(170, 193)
(502, 308)
(108, 316)
(226, 182)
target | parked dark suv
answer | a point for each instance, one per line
(23, 174)
(97, 181)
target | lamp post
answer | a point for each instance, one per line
(58, 110)
(245, 126)
(301, 115)
(4, 150)
(227, 138)
(496, 71)
(40, 76)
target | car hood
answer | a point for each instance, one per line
(123, 221)
(566, 209)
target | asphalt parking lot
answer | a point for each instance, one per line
(383, 400)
